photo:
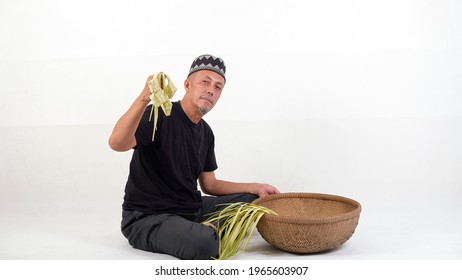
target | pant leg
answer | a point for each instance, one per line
(170, 234)
(211, 204)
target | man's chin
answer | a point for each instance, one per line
(202, 111)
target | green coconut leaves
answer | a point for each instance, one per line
(234, 223)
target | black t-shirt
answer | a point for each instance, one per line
(163, 174)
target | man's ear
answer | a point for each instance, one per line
(186, 84)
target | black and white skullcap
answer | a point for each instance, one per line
(208, 62)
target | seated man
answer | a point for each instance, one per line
(163, 208)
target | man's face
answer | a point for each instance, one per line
(204, 88)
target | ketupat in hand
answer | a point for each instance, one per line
(162, 90)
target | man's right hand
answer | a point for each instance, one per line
(146, 93)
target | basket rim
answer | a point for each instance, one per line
(307, 220)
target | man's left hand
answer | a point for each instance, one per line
(265, 189)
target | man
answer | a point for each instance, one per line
(163, 209)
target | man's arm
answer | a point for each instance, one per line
(123, 135)
(210, 185)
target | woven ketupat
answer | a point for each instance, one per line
(308, 222)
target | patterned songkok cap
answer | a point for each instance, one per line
(208, 62)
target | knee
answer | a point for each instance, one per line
(246, 197)
(204, 246)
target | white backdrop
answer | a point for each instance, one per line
(357, 98)
(82, 62)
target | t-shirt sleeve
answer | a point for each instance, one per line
(210, 161)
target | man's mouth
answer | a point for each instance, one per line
(211, 101)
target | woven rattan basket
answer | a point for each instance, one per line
(308, 222)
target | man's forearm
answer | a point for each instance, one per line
(221, 187)
(123, 134)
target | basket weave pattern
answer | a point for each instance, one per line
(308, 222)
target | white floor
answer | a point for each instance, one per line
(62, 187)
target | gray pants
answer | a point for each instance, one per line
(182, 236)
